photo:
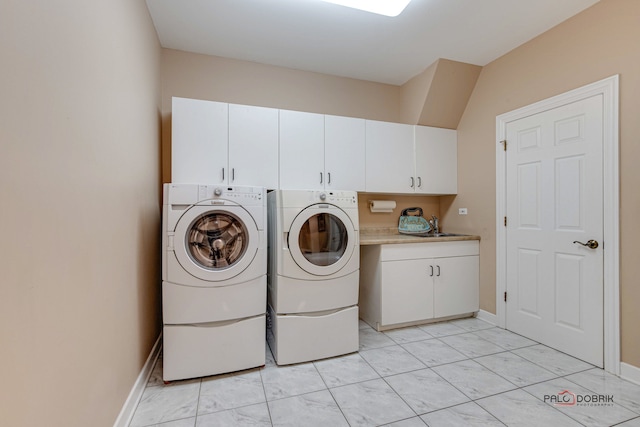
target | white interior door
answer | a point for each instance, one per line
(554, 198)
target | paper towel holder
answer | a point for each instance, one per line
(382, 206)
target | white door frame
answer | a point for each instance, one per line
(608, 88)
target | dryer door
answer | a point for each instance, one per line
(322, 239)
(215, 243)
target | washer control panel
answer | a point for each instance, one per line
(240, 194)
(338, 198)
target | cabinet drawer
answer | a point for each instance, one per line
(429, 250)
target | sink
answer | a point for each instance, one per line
(444, 235)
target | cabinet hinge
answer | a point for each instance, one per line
(505, 297)
(504, 144)
(505, 221)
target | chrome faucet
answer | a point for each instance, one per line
(434, 224)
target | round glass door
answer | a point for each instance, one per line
(323, 239)
(216, 240)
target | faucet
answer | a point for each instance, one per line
(434, 224)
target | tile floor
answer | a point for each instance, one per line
(458, 373)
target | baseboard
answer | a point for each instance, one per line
(130, 405)
(630, 372)
(487, 317)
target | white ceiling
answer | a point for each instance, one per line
(316, 36)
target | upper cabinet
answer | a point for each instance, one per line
(229, 144)
(389, 158)
(253, 146)
(219, 143)
(436, 153)
(199, 141)
(344, 153)
(301, 150)
(410, 159)
(321, 152)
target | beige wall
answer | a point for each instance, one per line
(79, 210)
(597, 43)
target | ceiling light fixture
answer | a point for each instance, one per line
(381, 7)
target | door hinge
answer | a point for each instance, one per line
(505, 297)
(504, 144)
(505, 221)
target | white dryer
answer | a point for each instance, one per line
(313, 271)
(213, 279)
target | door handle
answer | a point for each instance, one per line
(328, 177)
(431, 275)
(320, 177)
(413, 182)
(419, 182)
(591, 244)
(438, 275)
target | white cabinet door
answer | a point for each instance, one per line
(253, 146)
(389, 158)
(407, 291)
(456, 285)
(301, 150)
(199, 135)
(344, 153)
(436, 151)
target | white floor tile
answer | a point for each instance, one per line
(472, 324)
(425, 391)
(624, 393)
(468, 415)
(345, 370)
(487, 365)
(406, 335)
(409, 422)
(552, 360)
(505, 339)
(371, 403)
(518, 408)
(434, 352)
(247, 416)
(167, 403)
(471, 345)
(515, 369)
(230, 391)
(185, 422)
(309, 410)
(587, 414)
(631, 423)
(473, 379)
(442, 329)
(285, 381)
(391, 360)
(370, 338)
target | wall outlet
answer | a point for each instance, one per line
(462, 211)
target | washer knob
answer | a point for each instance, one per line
(323, 196)
(218, 191)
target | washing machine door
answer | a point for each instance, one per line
(322, 239)
(215, 243)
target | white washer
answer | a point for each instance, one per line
(214, 264)
(313, 271)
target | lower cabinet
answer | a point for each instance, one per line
(411, 283)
